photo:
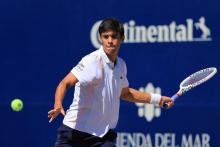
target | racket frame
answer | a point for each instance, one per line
(184, 89)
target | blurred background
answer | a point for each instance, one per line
(42, 40)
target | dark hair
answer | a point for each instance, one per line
(111, 24)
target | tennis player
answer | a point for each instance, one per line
(100, 80)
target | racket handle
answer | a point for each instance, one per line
(174, 97)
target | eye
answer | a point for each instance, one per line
(105, 36)
(115, 36)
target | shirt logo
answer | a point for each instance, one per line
(79, 67)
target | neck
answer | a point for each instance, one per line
(112, 58)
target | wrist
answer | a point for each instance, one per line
(57, 105)
(155, 98)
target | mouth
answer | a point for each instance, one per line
(111, 48)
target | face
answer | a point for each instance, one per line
(111, 42)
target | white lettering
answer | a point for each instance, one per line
(160, 33)
(197, 142)
(205, 140)
(131, 140)
(181, 33)
(125, 139)
(159, 140)
(134, 140)
(94, 35)
(122, 140)
(131, 31)
(163, 33)
(200, 140)
(165, 140)
(186, 142)
(189, 29)
(140, 140)
(141, 34)
(172, 32)
(148, 141)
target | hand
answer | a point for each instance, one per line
(168, 100)
(54, 112)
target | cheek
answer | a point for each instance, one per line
(117, 43)
(103, 42)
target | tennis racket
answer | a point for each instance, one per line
(192, 81)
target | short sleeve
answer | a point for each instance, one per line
(125, 82)
(88, 70)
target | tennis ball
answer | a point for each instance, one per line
(16, 105)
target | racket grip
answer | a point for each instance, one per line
(174, 97)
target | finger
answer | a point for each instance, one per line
(54, 111)
(51, 111)
(51, 119)
(170, 104)
(50, 115)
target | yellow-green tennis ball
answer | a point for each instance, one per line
(17, 105)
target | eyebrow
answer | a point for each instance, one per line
(111, 34)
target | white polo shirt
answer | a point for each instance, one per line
(95, 106)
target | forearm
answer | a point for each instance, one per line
(64, 85)
(60, 93)
(133, 95)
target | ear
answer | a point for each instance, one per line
(100, 39)
(123, 38)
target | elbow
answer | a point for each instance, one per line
(126, 94)
(64, 84)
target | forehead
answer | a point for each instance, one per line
(109, 32)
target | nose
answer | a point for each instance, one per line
(110, 40)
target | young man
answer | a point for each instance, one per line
(100, 80)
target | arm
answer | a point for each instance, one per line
(133, 95)
(64, 85)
